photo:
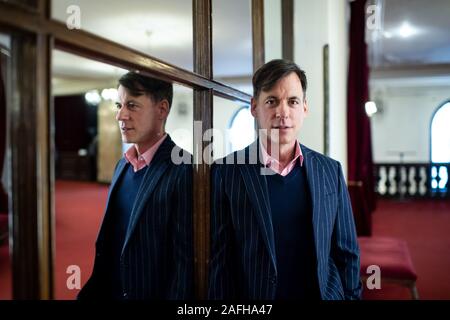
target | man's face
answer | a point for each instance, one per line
(140, 119)
(281, 110)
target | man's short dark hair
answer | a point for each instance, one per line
(138, 85)
(268, 74)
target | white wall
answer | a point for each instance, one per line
(179, 125)
(272, 30)
(405, 120)
(65, 86)
(311, 34)
(223, 112)
(317, 23)
(338, 70)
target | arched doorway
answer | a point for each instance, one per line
(241, 129)
(440, 147)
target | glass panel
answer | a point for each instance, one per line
(5, 261)
(232, 43)
(272, 30)
(234, 126)
(162, 29)
(88, 145)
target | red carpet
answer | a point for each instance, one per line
(5, 273)
(423, 224)
(79, 209)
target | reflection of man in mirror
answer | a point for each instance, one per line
(289, 234)
(144, 247)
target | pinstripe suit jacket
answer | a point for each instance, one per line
(243, 263)
(157, 255)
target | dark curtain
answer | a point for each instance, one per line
(71, 119)
(360, 163)
(75, 129)
(3, 195)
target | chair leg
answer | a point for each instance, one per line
(414, 292)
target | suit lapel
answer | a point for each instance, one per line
(156, 169)
(315, 177)
(117, 173)
(257, 191)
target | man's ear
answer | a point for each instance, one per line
(305, 107)
(163, 108)
(253, 107)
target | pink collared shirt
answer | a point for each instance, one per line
(275, 165)
(140, 161)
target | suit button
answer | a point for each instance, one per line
(125, 294)
(98, 254)
(273, 280)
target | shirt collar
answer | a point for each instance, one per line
(269, 161)
(139, 162)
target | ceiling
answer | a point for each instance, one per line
(70, 66)
(411, 33)
(412, 41)
(163, 29)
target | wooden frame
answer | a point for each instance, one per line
(287, 29)
(31, 174)
(410, 284)
(258, 33)
(32, 127)
(203, 102)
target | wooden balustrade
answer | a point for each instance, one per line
(412, 180)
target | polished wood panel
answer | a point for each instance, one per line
(258, 33)
(30, 170)
(45, 168)
(202, 21)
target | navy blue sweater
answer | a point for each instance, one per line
(121, 207)
(290, 204)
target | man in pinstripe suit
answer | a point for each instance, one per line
(282, 226)
(144, 247)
